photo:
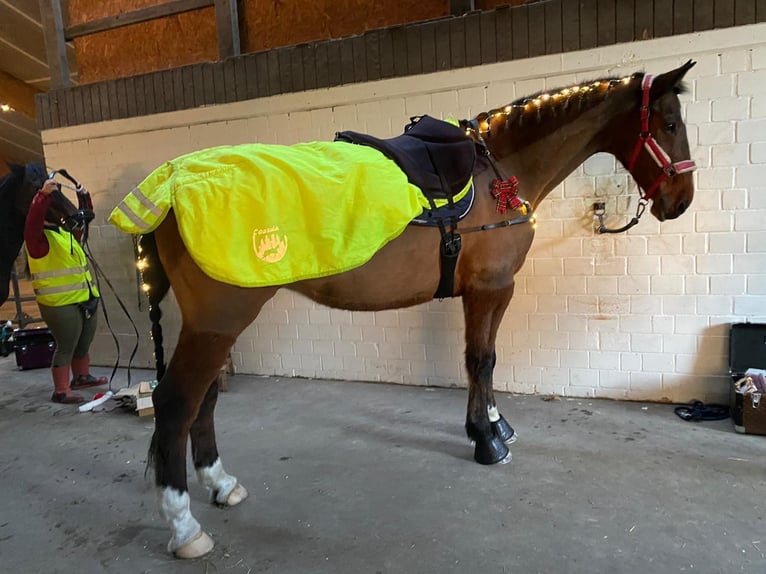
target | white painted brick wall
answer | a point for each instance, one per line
(640, 316)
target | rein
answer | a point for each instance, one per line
(646, 142)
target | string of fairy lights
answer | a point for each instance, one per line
(141, 265)
(537, 103)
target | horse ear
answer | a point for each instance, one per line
(35, 175)
(17, 170)
(11, 180)
(671, 80)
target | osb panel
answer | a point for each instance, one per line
(149, 46)
(276, 23)
(191, 37)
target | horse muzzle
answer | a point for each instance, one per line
(670, 204)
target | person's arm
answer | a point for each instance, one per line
(34, 236)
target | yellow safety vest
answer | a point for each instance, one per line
(62, 276)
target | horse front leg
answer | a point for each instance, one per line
(177, 401)
(224, 488)
(500, 426)
(484, 425)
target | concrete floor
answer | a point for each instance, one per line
(364, 478)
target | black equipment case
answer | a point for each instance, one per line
(747, 350)
(34, 348)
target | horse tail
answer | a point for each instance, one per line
(156, 285)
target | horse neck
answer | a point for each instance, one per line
(548, 146)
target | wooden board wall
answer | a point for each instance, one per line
(191, 37)
(477, 38)
(278, 23)
(160, 44)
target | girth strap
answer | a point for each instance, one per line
(449, 249)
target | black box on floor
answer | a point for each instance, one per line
(747, 350)
(34, 348)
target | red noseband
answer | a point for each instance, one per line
(646, 141)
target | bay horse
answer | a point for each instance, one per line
(17, 189)
(540, 140)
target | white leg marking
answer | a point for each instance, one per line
(174, 507)
(217, 481)
(494, 415)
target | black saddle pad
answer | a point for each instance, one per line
(437, 156)
(448, 212)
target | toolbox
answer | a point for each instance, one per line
(747, 365)
(34, 348)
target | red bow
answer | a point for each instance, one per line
(506, 192)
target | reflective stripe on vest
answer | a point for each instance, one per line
(62, 288)
(61, 277)
(58, 273)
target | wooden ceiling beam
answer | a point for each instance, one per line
(134, 17)
(17, 94)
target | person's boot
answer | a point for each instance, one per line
(81, 377)
(62, 393)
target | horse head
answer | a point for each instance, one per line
(652, 144)
(17, 189)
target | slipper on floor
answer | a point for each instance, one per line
(699, 411)
(67, 399)
(86, 381)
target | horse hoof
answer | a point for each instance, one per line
(237, 495)
(199, 546)
(492, 451)
(504, 431)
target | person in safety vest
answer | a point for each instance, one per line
(65, 293)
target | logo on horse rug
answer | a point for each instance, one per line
(269, 245)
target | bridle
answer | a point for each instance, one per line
(80, 219)
(647, 142)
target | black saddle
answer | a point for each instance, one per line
(436, 156)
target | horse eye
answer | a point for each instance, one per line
(670, 127)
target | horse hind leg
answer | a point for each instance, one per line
(177, 402)
(224, 488)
